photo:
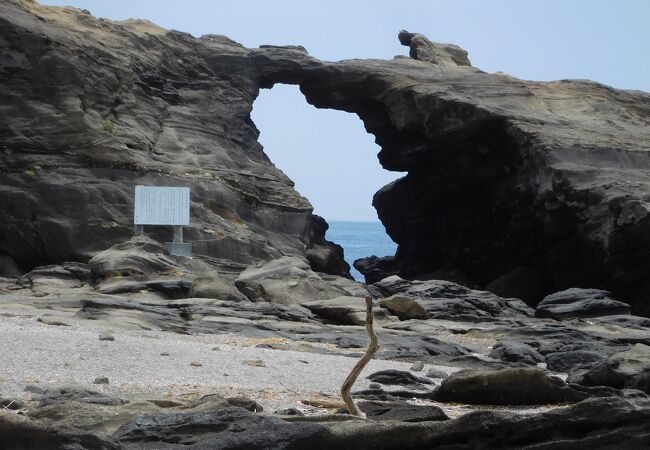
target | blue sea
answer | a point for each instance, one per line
(360, 239)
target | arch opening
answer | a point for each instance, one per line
(333, 162)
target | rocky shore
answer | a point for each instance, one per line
(141, 349)
(514, 314)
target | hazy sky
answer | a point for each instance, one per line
(328, 153)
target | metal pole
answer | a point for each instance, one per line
(178, 233)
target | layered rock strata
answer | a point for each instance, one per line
(524, 188)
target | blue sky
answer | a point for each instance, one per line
(328, 153)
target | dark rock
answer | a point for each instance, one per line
(480, 362)
(523, 282)
(424, 50)
(59, 395)
(510, 386)
(375, 269)
(171, 288)
(606, 391)
(9, 268)
(21, 433)
(341, 310)
(565, 361)
(246, 403)
(290, 412)
(101, 380)
(106, 337)
(610, 423)
(403, 307)
(625, 370)
(577, 302)
(11, 404)
(451, 301)
(401, 410)
(417, 366)
(398, 377)
(232, 428)
(323, 255)
(516, 352)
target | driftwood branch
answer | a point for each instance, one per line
(358, 367)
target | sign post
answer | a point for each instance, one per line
(157, 205)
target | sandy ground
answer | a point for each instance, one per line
(41, 354)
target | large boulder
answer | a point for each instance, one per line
(509, 386)
(375, 268)
(516, 352)
(403, 307)
(575, 303)
(624, 370)
(423, 49)
(286, 280)
(140, 255)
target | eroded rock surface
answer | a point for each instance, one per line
(526, 187)
(522, 187)
(92, 108)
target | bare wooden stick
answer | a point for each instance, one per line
(358, 367)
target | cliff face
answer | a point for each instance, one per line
(91, 108)
(520, 186)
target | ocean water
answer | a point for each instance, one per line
(360, 239)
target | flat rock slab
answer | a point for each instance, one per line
(401, 410)
(576, 302)
(399, 377)
(449, 301)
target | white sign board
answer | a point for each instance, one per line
(161, 205)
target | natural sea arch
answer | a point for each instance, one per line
(332, 160)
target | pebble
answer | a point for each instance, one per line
(417, 366)
(101, 380)
(164, 354)
(374, 386)
(106, 337)
(255, 363)
(290, 412)
(196, 364)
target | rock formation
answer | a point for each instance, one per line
(522, 187)
(90, 108)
